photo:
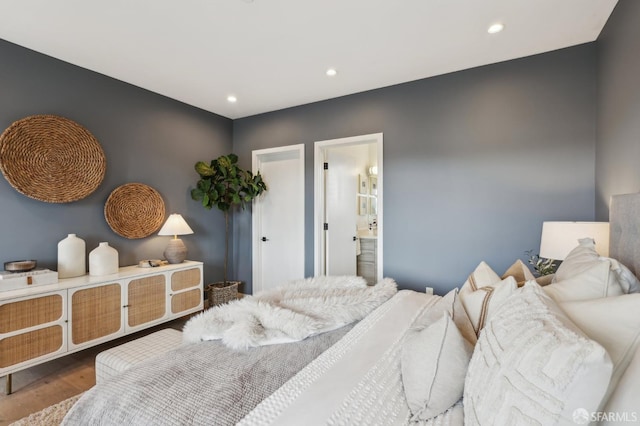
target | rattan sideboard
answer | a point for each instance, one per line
(38, 324)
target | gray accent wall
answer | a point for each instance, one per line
(474, 162)
(618, 139)
(146, 137)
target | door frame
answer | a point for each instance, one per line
(257, 157)
(320, 148)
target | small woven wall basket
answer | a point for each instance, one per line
(134, 210)
(51, 159)
(220, 293)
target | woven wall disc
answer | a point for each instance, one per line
(134, 210)
(51, 159)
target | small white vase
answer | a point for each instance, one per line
(103, 260)
(72, 252)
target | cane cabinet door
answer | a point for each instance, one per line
(95, 314)
(32, 329)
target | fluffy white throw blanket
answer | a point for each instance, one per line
(289, 313)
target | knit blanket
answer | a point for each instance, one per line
(289, 313)
(196, 384)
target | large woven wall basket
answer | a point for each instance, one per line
(134, 210)
(51, 158)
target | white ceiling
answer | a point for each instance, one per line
(273, 54)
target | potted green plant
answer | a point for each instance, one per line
(224, 185)
(540, 265)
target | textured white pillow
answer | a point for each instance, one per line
(520, 272)
(480, 304)
(614, 322)
(531, 365)
(597, 281)
(451, 304)
(434, 363)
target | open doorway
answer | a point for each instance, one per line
(348, 208)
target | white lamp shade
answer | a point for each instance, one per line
(175, 225)
(559, 238)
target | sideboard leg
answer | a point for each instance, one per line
(7, 388)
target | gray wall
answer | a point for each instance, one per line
(618, 138)
(474, 162)
(147, 138)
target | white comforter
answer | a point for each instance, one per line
(356, 381)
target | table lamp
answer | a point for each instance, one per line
(559, 238)
(176, 251)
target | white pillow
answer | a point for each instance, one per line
(583, 261)
(451, 304)
(480, 304)
(580, 259)
(597, 281)
(434, 363)
(613, 322)
(625, 399)
(520, 272)
(531, 365)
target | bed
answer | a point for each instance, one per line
(502, 349)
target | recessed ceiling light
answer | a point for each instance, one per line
(495, 28)
(232, 99)
(331, 72)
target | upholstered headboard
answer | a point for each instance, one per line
(624, 234)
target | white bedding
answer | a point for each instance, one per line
(356, 381)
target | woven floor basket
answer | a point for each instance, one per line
(134, 210)
(220, 293)
(52, 159)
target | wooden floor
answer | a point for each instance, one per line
(43, 385)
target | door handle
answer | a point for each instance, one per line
(264, 239)
(355, 238)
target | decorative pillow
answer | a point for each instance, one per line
(482, 276)
(481, 303)
(545, 279)
(520, 272)
(597, 281)
(531, 365)
(449, 303)
(614, 323)
(434, 363)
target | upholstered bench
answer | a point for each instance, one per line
(118, 359)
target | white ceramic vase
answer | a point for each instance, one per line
(72, 252)
(103, 260)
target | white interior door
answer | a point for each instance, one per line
(322, 243)
(278, 217)
(341, 178)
